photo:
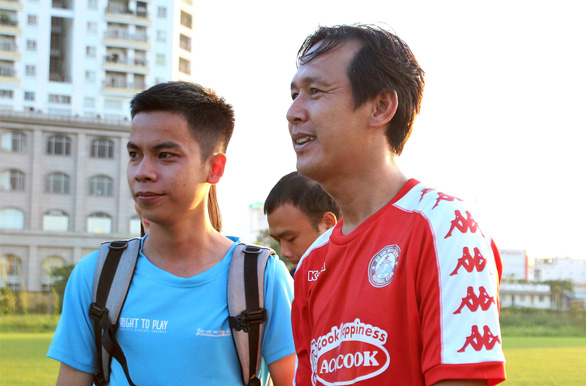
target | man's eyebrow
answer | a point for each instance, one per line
(159, 146)
(282, 234)
(304, 81)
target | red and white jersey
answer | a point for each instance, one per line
(409, 297)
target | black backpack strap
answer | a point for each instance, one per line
(246, 307)
(114, 270)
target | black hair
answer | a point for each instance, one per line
(305, 194)
(209, 117)
(383, 62)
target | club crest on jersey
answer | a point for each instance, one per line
(383, 265)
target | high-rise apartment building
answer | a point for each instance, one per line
(68, 70)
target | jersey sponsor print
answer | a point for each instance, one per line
(409, 297)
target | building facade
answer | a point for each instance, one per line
(68, 70)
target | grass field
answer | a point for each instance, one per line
(530, 360)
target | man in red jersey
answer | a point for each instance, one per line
(404, 289)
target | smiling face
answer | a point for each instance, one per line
(328, 132)
(166, 174)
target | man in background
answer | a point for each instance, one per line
(298, 211)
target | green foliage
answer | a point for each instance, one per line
(28, 323)
(7, 302)
(61, 276)
(536, 322)
(265, 239)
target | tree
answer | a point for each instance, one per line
(561, 289)
(265, 239)
(61, 276)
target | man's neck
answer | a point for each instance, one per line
(185, 250)
(362, 194)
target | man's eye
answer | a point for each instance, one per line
(314, 90)
(132, 154)
(294, 95)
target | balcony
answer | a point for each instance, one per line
(120, 13)
(11, 4)
(6, 20)
(121, 38)
(115, 62)
(8, 46)
(7, 71)
(122, 85)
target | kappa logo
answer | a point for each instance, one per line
(383, 265)
(442, 196)
(313, 275)
(463, 224)
(424, 192)
(478, 341)
(469, 263)
(473, 302)
(348, 354)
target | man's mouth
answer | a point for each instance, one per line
(302, 140)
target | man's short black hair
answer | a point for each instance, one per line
(305, 194)
(209, 117)
(383, 62)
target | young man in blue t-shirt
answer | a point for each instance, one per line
(174, 326)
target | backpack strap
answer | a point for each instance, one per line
(112, 278)
(247, 270)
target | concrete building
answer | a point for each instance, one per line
(517, 265)
(526, 295)
(68, 70)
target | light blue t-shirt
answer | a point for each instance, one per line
(173, 330)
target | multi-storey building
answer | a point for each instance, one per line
(68, 70)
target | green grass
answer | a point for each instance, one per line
(23, 360)
(545, 360)
(530, 360)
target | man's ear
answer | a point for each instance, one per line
(217, 164)
(328, 220)
(384, 108)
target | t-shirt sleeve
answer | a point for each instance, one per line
(277, 340)
(73, 342)
(460, 305)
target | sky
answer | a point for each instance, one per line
(502, 122)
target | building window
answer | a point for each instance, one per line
(162, 12)
(6, 94)
(60, 99)
(11, 219)
(57, 183)
(99, 223)
(14, 141)
(59, 145)
(32, 20)
(29, 96)
(56, 221)
(184, 66)
(12, 180)
(90, 51)
(49, 265)
(161, 36)
(90, 76)
(89, 102)
(113, 104)
(101, 186)
(185, 42)
(135, 226)
(186, 19)
(92, 27)
(11, 273)
(31, 45)
(102, 148)
(30, 70)
(160, 59)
